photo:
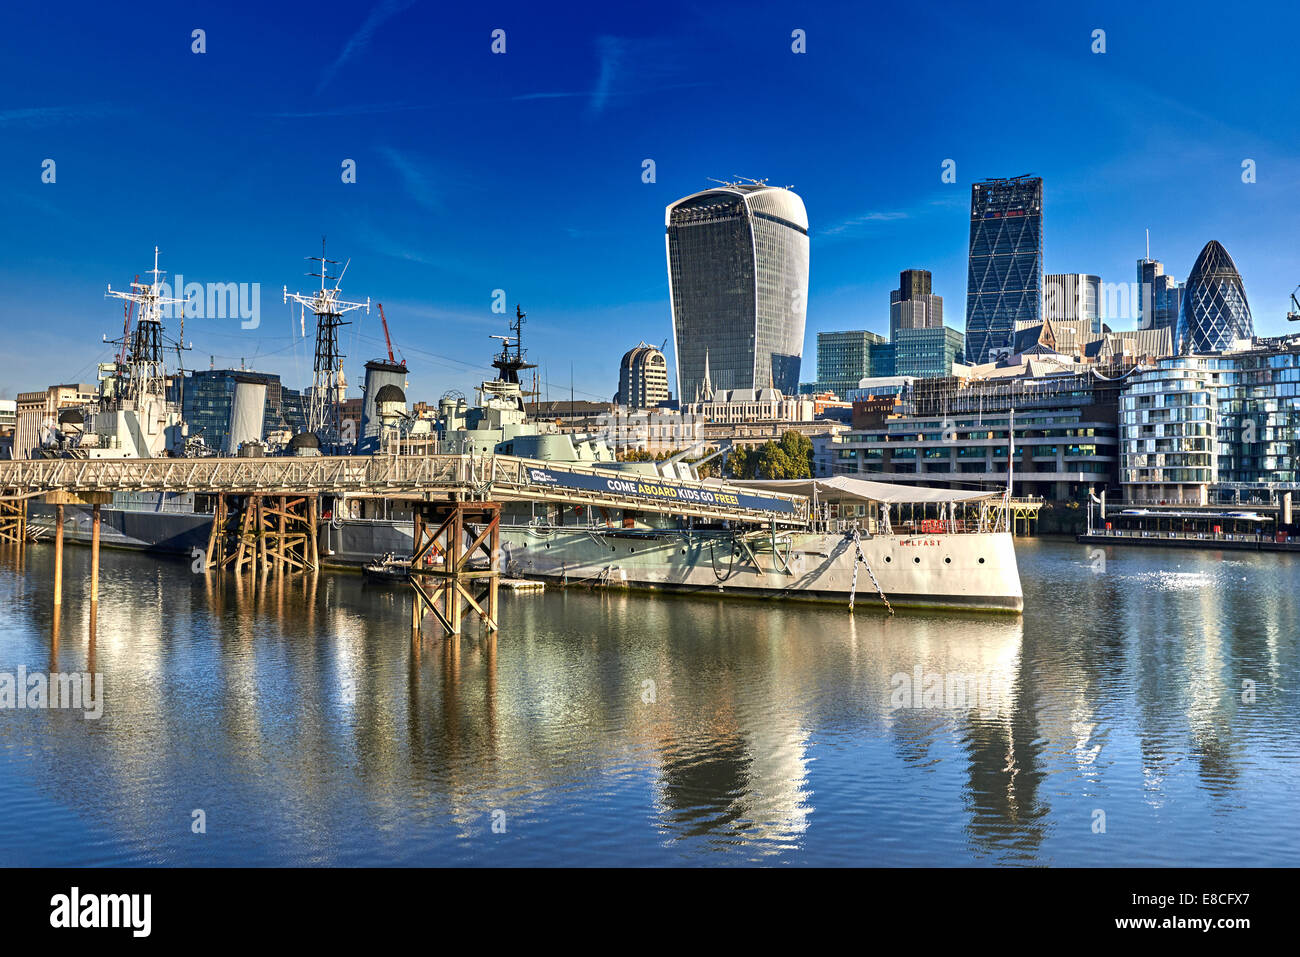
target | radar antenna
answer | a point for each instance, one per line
(325, 414)
(146, 374)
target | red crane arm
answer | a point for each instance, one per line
(387, 339)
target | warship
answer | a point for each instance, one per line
(857, 540)
(913, 546)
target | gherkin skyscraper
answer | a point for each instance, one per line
(1214, 311)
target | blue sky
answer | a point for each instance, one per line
(523, 171)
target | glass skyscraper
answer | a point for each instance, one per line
(1214, 309)
(912, 305)
(738, 284)
(1004, 283)
(1158, 297)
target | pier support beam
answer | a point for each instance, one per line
(58, 554)
(13, 519)
(446, 574)
(94, 555)
(261, 532)
(59, 500)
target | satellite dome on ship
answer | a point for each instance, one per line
(1214, 311)
(304, 443)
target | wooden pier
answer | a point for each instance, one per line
(267, 511)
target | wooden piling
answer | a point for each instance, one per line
(94, 555)
(58, 555)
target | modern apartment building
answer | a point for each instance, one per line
(642, 378)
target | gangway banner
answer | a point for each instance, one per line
(661, 490)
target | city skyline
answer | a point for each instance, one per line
(579, 108)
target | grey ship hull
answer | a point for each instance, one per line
(142, 530)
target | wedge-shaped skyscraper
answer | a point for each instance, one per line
(738, 282)
(1004, 283)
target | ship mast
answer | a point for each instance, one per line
(146, 374)
(324, 416)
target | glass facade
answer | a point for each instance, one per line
(1159, 297)
(846, 358)
(738, 283)
(1259, 418)
(1214, 309)
(1004, 283)
(927, 353)
(1230, 419)
(1167, 430)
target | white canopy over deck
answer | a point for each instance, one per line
(844, 488)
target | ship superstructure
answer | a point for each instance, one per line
(137, 413)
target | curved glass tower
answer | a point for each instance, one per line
(738, 282)
(1214, 310)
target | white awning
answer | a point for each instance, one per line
(844, 488)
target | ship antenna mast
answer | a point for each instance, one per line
(146, 374)
(324, 416)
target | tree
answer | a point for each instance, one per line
(774, 463)
(741, 462)
(799, 450)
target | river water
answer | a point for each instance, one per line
(1143, 711)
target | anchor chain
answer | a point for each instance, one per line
(860, 557)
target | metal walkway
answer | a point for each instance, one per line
(408, 477)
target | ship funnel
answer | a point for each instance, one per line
(247, 413)
(379, 375)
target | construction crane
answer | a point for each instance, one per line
(1294, 314)
(388, 339)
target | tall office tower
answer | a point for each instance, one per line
(642, 378)
(738, 283)
(845, 358)
(911, 305)
(1073, 296)
(1158, 296)
(1004, 283)
(1214, 308)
